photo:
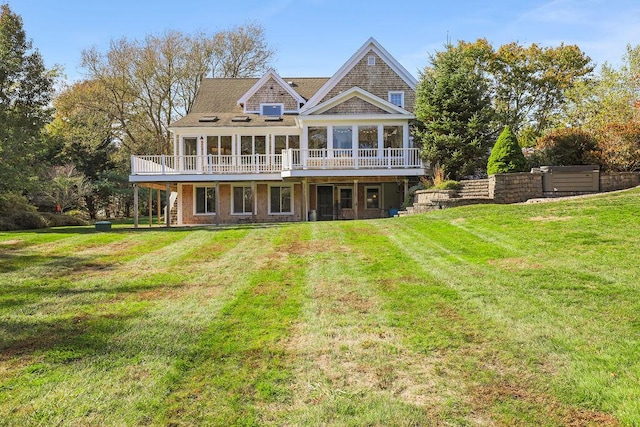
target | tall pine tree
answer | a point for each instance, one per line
(454, 104)
(26, 89)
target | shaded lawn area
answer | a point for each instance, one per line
(494, 315)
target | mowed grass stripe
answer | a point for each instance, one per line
(240, 367)
(522, 324)
(352, 367)
(110, 365)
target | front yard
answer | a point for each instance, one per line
(494, 315)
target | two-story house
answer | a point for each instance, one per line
(275, 149)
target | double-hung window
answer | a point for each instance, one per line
(397, 98)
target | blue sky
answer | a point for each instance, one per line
(315, 37)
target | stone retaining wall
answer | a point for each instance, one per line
(520, 187)
(611, 181)
(515, 187)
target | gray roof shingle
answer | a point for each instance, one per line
(219, 97)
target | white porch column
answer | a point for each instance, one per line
(355, 152)
(405, 143)
(175, 144)
(405, 136)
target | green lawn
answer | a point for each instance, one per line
(483, 315)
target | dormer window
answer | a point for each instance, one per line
(271, 110)
(397, 98)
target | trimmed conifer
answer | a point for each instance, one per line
(506, 155)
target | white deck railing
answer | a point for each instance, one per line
(369, 158)
(209, 164)
(292, 159)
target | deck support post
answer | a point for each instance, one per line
(150, 207)
(254, 195)
(159, 208)
(217, 203)
(305, 191)
(355, 199)
(135, 205)
(167, 213)
(406, 190)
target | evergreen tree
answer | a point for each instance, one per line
(506, 155)
(453, 102)
(25, 93)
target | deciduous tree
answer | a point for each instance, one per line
(26, 88)
(612, 96)
(87, 139)
(151, 83)
(529, 83)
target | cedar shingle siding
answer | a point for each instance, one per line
(271, 93)
(377, 79)
(355, 105)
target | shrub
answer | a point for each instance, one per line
(28, 220)
(506, 155)
(11, 203)
(17, 214)
(620, 146)
(7, 225)
(448, 185)
(569, 146)
(57, 220)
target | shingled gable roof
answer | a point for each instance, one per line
(219, 97)
(370, 45)
(271, 73)
(359, 93)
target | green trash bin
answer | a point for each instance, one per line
(103, 226)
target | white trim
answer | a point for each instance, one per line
(271, 73)
(370, 45)
(396, 92)
(375, 187)
(371, 60)
(281, 185)
(208, 185)
(241, 185)
(358, 93)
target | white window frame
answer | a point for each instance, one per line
(345, 187)
(290, 187)
(233, 187)
(371, 60)
(374, 187)
(281, 105)
(195, 202)
(396, 92)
